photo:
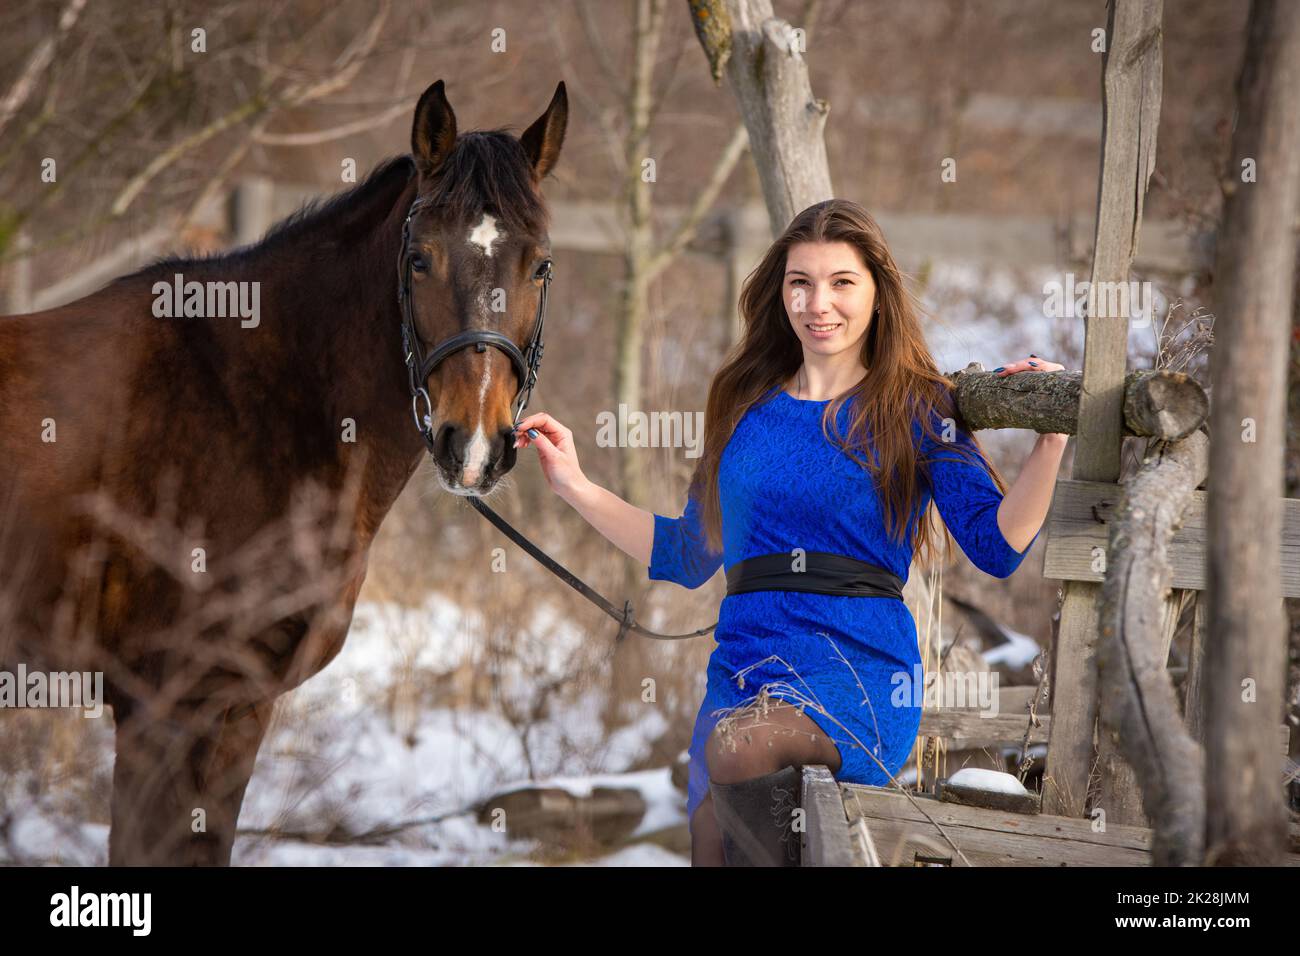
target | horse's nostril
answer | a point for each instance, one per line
(446, 446)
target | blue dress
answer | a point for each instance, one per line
(783, 486)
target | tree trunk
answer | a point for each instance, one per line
(785, 121)
(1245, 660)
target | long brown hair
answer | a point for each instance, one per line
(902, 384)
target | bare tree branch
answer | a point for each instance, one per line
(37, 64)
(686, 229)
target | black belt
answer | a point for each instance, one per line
(823, 573)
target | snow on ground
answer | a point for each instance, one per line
(1019, 650)
(980, 778)
(334, 759)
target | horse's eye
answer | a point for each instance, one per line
(542, 270)
(419, 263)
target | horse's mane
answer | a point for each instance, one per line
(486, 171)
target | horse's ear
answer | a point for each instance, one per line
(434, 131)
(542, 140)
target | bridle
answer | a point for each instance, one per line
(419, 366)
(527, 365)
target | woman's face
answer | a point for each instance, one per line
(829, 296)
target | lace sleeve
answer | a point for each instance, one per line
(680, 553)
(968, 499)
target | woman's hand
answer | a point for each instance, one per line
(1033, 364)
(555, 452)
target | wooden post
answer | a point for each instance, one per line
(1245, 651)
(1131, 114)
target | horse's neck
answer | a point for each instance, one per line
(336, 335)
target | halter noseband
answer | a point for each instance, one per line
(420, 366)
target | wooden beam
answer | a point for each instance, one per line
(1078, 537)
(826, 828)
(995, 837)
(1131, 82)
(969, 730)
(966, 729)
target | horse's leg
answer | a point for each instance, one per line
(225, 770)
(178, 785)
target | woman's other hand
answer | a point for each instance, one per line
(555, 452)
(1033, 364)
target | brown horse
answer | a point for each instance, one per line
(187, 502)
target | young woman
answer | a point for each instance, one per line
(828, 432)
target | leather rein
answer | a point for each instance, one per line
(527, 364)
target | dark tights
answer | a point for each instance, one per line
(749, 744)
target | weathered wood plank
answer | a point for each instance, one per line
(826, 828)
(1079, 523)
(994, 837)
(967, 730)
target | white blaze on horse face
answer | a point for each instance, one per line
(484, 234)
(477, 450)
(476, 453)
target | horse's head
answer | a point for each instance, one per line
(477, 253)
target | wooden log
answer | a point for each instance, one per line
(1254, 280)
(902, 834)
(1138, 710)
(1156, 403)
(1132, 68)
(552, 814)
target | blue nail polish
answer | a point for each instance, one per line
(532, 433)
(1034, 364)
(999, 368)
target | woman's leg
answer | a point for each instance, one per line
(753, 756)
(706, 838)
(751, 743)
